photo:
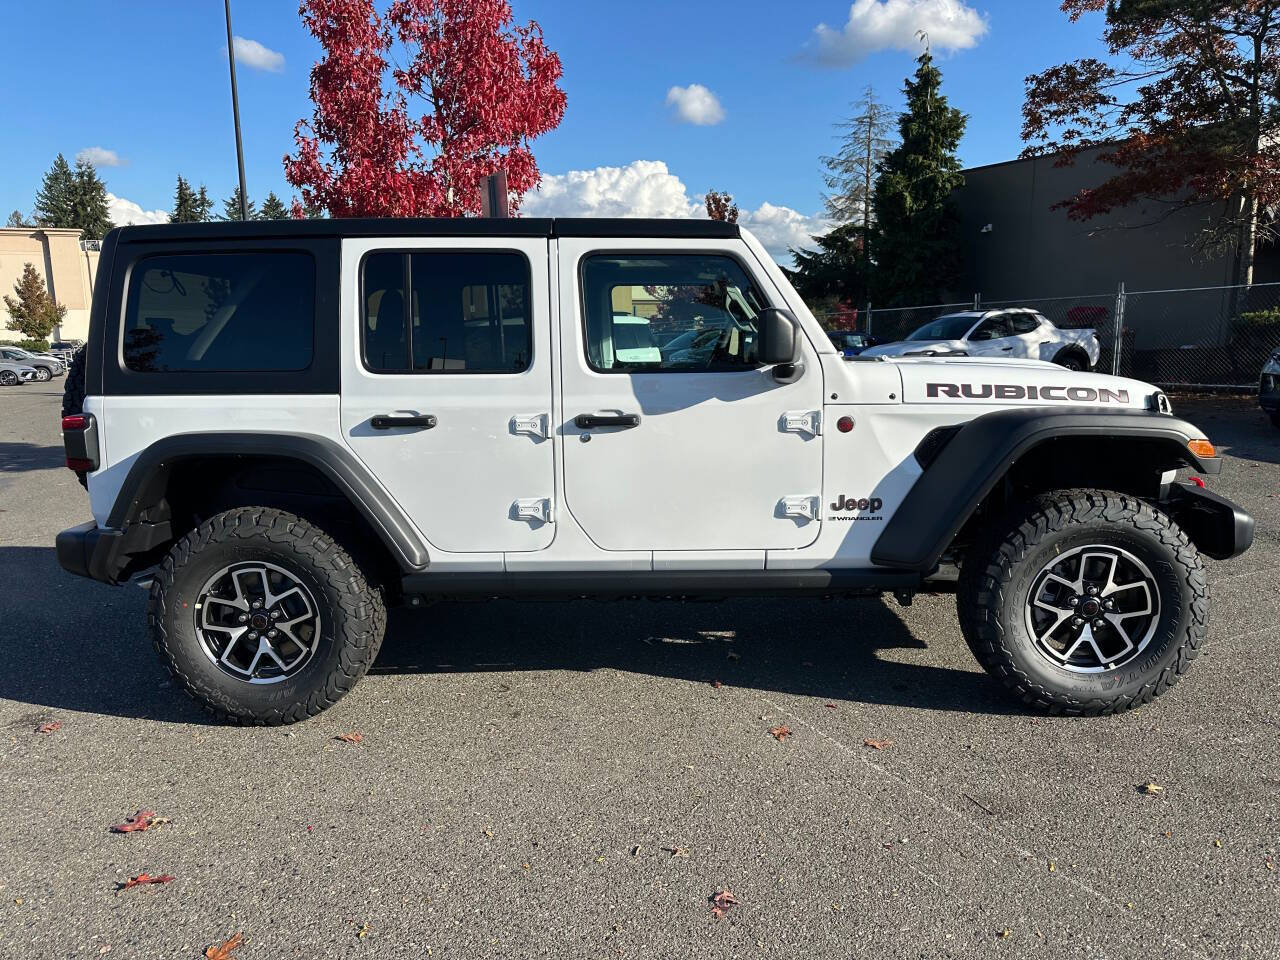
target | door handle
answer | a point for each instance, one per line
(385, 421)
(585, 421)
(1006, 349)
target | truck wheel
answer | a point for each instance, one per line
(263, 617)
(1072, 360)
(1084, 602)
(43, 374)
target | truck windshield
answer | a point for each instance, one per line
(951, 327)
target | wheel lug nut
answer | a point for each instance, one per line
(1092, 590)
(275, 614)
(243, 618)
(1076, 621)
(257, 604)
(1099, 624)
(271, 633)
(1073, 602)
(253, 634)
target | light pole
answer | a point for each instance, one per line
(235, 113)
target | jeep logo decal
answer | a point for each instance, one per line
(853, 503)
(1013, 391)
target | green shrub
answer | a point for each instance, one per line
(1259, 319)
(35, 346)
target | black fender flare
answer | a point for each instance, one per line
(961, 472)
(149, 473)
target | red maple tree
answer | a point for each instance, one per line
(489, 87)
(720, 206)
(1188, 111)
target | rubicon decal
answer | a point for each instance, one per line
(1015, 391)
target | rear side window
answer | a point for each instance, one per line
(463, 312)
(1024, 322)
(221, 312)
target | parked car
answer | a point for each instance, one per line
(13, 373)
(285, 425)
(46, 366)
(65, 349)
(1269, 388)
(1018, 332)
(850, 342)
(633, 340)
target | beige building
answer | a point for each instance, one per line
(68, 267)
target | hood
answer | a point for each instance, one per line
(997, 382)
(902, 347)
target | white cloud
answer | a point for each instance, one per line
(646, 188)
(124, 212)
(876, 25)
(253, 54)
(696, 104)
(100, 157)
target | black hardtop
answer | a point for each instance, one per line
(428, 227)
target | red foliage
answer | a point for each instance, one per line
(139, 821)
(143, 879)
(720, 206)
(490, 86)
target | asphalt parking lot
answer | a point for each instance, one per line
(568, 780)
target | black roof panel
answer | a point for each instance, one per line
(429, 227)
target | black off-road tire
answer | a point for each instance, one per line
(73, 398)
(1072, 359)
(352, 615)
(996, 580)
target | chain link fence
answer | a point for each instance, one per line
(1201, 337)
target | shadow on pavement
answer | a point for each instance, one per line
(17, 457)
(1236, 425)
(70, 644)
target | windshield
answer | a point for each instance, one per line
(19, 352)
(951, 327)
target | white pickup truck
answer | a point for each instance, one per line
(1018, 332)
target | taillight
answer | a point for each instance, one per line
(80, 442)
(76, 421)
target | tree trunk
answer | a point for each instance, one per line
(1247, 241)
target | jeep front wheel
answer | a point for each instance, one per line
(1084, 602)
(263, 617)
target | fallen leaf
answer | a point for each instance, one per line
(780, 733)
(145, 878)
(53, 726)
(1005, 933)
(352, 737)
(717, 684)
(635, 851)
(1217, 843)
(877, 744)
(676, 851)
(142, 820)
(832, 706)
(722, 902)
(1151, 789)
(1053, 867)
(363, 931)
(222, 951)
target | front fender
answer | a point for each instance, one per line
(962, 468)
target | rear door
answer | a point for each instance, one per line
(702, 448)
(447, 385)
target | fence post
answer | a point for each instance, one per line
(1118, 331)
(977, 302)
(868, 318)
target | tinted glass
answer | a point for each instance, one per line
(466, 313)
(993, 328)
(949, 327)
(1024, 322)
(221, 312)
(669, 313)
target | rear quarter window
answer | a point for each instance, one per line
(220, 312)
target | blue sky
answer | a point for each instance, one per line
(147, 81)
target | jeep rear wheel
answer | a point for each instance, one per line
(1084, 602)
(263, 617)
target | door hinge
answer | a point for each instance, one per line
(805, 507)
(537, 508)
(802, 421)
(533, 424)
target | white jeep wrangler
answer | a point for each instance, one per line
(286, 425)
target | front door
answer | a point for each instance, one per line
(447, 385)
(693, 445)
(993, 337)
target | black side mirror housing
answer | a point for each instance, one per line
(779, 336)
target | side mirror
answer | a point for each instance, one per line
(779, 336)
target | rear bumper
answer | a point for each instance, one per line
(90, 551)
(1218, 527)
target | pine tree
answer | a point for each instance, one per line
(273, 208)
(184, 203)
(851, 170)
(55, 202)
(203, 205)
(834, 273)
(90, 211)
(34, 313)
(231, 207)
(915, 241)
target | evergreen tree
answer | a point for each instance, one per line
(90, 211)
(231, 207)
(834, 273)
(56, 199)
(273, 208)
(915, 241)
(851, 170)
(203, 205)
(34, 313)
(184, 203)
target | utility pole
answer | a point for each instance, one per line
(235, 113)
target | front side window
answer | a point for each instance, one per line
(669, 312)
(951, 326)
(993, 328)
(221, 312)
(464, 312)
